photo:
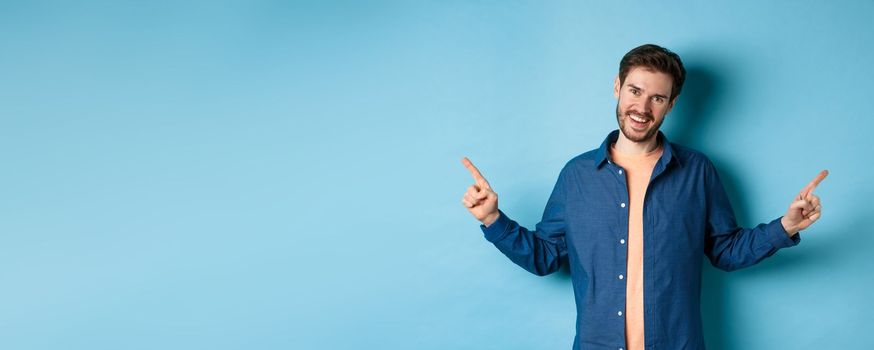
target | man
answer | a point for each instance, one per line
(632, 218)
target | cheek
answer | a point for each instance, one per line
(623, 108)
(625, 102)
(662, 109)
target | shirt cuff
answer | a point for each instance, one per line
(498, 229)
(779, 237)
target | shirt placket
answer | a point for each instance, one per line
(648, 254)
(621, 237)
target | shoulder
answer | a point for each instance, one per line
(696, 164)
(689, 156)
(583, 162)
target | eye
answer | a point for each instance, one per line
(635, 91)
(658, 99)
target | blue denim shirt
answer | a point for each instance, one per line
(685, 213)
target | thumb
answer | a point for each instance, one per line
(481, 193)
(799, 204)
(804, 206)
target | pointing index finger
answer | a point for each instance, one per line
(809, 188)
(477, 176)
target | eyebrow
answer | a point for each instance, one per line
(638, 88)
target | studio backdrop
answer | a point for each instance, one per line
(287, 175)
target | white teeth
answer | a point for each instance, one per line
(637, 119)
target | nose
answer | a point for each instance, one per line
(647, 106)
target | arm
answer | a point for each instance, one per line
(539, 251)
(730, 247)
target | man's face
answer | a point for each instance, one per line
(644, 100)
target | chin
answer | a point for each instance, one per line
(638, 136)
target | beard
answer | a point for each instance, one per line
(636, 135)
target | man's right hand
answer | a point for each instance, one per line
(479, 199)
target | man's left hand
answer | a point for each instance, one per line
(805, 209)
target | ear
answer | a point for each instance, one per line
(616, 87)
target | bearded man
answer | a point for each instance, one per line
(632, 218)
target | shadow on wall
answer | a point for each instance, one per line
(701, 93)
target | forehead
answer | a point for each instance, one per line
(650, 80)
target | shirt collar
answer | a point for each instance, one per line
(603, 154)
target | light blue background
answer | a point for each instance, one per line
(286, 175)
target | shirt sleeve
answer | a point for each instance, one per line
(542, 250)
(730, 247)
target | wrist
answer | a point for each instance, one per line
(791, 230)
(490, 219)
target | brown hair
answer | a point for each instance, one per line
(655, 58)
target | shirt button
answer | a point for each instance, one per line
(622, 241)
(622, 205)
(620, 171)
(619, 313)
(621, 277)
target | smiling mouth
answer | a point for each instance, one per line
(638, 121)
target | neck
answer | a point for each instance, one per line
(626, 146)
